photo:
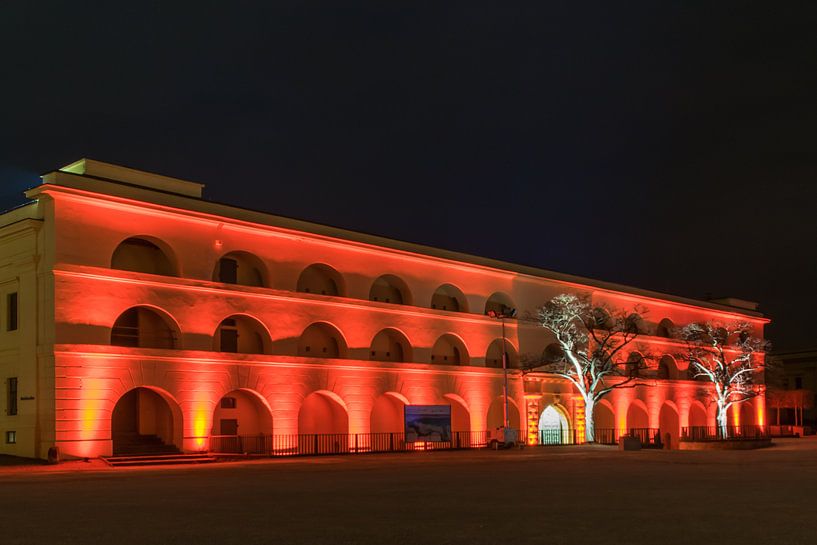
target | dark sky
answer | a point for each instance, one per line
(670, 146)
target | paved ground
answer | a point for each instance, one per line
(554, 495)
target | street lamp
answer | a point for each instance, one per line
(506, 312)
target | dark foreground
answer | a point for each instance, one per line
(538, 495)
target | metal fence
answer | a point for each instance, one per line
(729, 433)
(314, 444)
(648, 437)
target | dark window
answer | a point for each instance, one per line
(798, 383)
(228, 403)
(228, 270)
(11, 307)
(11, 437)
(229, 340)
(126, 329)
(11, 398)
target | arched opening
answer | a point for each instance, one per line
(493, 358)
(323, 424)
(322, 280)
(460, 415)
(553, 353)
(449, 350)
(697, 415)
(241, 334)
(554, 428)
(242, 423)
(747, 414)
(665, 328)
(636, 365)
(144, 255)
(637, 417)
(499, 303)
(448, 297)
(601, 318)
(635, 324)
(669, 425)
(390, 345)
(321, 340)
(390, 289)
(387, 414)
(496, 414)
(667, 369)
(146, 422)
(144, 327)
(604, 423)
(241, 268)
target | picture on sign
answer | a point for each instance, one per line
(430, 423)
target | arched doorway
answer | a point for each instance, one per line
(638, 422)
(144, 327)
(669, 425)
(496, 414)
(499, 303)
(240, 334)
(242, 268)
(553, 427)
(146, 422)
(386, 423)
(242, 423)
(321, 279)
(449, 350)
(450, 298)
(144, 255)
(390, 289)
(493, 357)
(323, 424)
(321, 340)
(697, 415)
(390, 345)
(604, 424)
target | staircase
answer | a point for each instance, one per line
(132, 449)
(134, 444)
(158, 460)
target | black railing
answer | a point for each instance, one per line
(648, 437)
(729, 433)
(313, 444)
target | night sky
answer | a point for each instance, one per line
(668, 147)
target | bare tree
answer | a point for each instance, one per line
(729, 356)
(591, 344)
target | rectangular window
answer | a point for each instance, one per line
(228, 403)
(228, 270)
(229, 340)
(11, 437)
(11, 396)
(11, 312)
(798, 383)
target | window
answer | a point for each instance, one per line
(798, 383)
(228, 270)
(11, 437)
(11, 396)
(11, 309)
(228, 403)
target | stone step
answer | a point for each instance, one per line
(167, 459)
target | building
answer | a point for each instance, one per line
(134, 308)
(791, 392)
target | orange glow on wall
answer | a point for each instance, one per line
(90, 296)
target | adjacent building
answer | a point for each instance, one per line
(135, 310)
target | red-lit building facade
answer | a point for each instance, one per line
(133, 306)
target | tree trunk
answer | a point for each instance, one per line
(722, 421)
(589, 426)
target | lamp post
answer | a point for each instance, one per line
(505, 313)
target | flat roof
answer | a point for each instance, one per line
(138, 186)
